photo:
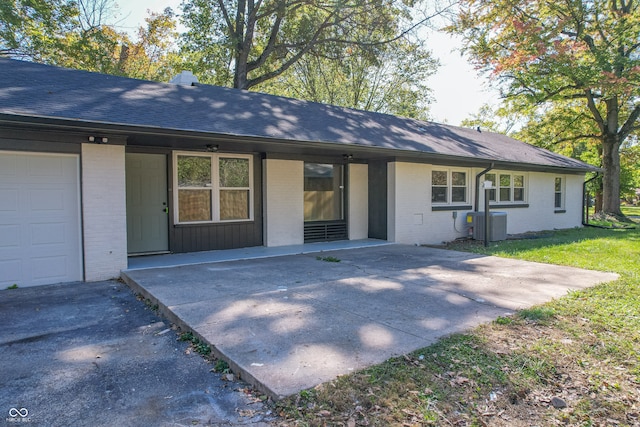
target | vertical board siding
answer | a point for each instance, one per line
(219, 236)
(378, 200)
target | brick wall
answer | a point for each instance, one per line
(104, 211)
(358, 201)
(283, 202)
(411, 219)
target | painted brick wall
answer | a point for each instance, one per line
(412, 221)
(104, 211)
(283, 202)
(358, 202)
(408, 202)
(541, 214)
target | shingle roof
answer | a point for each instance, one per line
(36, 91)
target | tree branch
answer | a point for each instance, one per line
(271, 44)
(594, 110)
(225, 14)
(630, 124)
(577, 137)
(287, 64)
(406, 31)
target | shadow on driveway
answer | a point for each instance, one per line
(90, 354)
(289, 323)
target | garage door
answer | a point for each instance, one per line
(39, 219)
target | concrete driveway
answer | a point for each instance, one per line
(289, 323)
(91, 354)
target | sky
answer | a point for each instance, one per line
(458, 91)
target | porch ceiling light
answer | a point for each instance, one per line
(98, 139)
(212, 148)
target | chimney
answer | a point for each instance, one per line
(185, 78)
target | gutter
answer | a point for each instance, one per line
(477, 195)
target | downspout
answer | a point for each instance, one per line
(477, 199)
(585, 204)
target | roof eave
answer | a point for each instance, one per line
(347, 148)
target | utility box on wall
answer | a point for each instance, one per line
(497, 225)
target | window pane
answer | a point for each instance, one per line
(323, 192)
(234, 204)
(518, 181)
(558, 202)
(194, 171)
(439, 194)
(194, 205)
(459, 194)
(505, 180)
(491, 177)
(558, 184)
(438, 178)
(234, 172)
(505, 194)
(518, 195)
(492, 195)
(318, 177)
(458, 178)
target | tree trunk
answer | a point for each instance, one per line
(611, 176)
(243, 40)
(240, 75)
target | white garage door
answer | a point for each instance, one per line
(39, 219)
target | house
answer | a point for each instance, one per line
(95, 168)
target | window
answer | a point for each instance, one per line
(492, 193)
(509, 188)
(449, 187)
(505, 188)
(559, 194)
(235, 190)
(194, 188)
(323, 192)
(213, 187)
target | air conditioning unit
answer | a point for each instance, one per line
(497, 225)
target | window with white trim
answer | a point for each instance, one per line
(213, 187)
(449, 186)
(507, 187)
(558, 203)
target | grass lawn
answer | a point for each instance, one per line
(574, 361)
(631, 210)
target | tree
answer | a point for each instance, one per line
(630, 166)
(393, 82)
(77, 34)
(584, 52)
(492, 119)
(153, 55)
(244, 43)
(35, 29)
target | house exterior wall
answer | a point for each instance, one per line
(413, 219)
(408, 204)
(104, 211)
(283, 189)
(358, 203)
(541, 214)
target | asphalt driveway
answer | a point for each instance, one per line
(291, 322)
(91, 354)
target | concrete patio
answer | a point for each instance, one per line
(289, 322)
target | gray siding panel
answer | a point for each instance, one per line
(378, 200)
